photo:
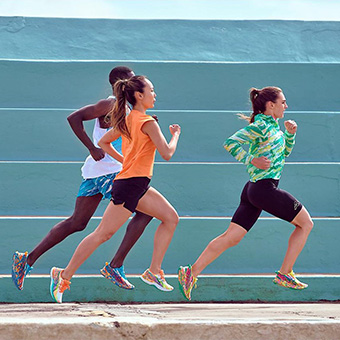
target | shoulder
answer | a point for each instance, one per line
(259, 126)
(101, 109)
(147, 118)
(149, 124)
(140, 117)
(103, 106)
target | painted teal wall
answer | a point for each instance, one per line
(215, 288)
(202, 71)
(182, 40)
(179, 85)
(260, 252)
(195, 189)
(58, 143)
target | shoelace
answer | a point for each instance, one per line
(161, 274)
(162, 278)
(20, 264)
(290, 277)
(190, 280)
(292, 274)
(18, 259)
(64, 284)
(195, 282)
(188, 276)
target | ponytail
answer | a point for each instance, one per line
(259, 99)
(119, 109)
(124, 91)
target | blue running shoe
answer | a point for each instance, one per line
(20, 269)
(121, 271)
(116, 276)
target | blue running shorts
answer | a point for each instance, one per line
(98, 185)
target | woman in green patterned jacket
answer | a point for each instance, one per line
(268, 148)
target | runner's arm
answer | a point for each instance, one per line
(105, 144)
(165, 149)
(86, 113)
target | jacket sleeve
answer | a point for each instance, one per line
(247, 135)
(289, 142)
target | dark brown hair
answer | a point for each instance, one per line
(124, 91)
(259, 99)
(119, 72)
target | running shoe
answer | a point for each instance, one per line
(116, 276)
(289, 281)
(156, 280)
(20, 269)
(58, 285)
(186, 281)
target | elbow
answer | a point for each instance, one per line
(100, 143)
(72, 119)
(167, 157)
(166, 153)
(226, 146)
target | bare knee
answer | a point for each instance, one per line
(234, 234)
(305, 223)
(308, 225)
(233, 241)
(77, 223)
(171, 219)
(224, 242)
(103, 236)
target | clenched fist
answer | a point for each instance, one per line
(291, 126)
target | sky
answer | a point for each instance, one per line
(308, 10)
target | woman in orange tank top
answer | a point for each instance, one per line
(141, 136)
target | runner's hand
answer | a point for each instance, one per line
(291, 126)
(262, 163)
(175, 128)
(97, 154)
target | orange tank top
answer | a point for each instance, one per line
(139, 152)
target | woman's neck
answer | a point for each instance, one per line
(269, 114)
(140, 108)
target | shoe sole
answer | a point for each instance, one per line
(114, 281)
(278, 284)
(154, 284)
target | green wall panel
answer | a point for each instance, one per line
(202, 71)
(261, 251)
(210, 288)
(194, 189)
(216, 40)
(46, 135)
(179, 85)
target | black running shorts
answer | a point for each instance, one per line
(128, 191)
(265, 195)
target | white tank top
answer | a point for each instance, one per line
(106, 165)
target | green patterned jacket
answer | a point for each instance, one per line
(265, 139)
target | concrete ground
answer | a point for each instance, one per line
(170, 321)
